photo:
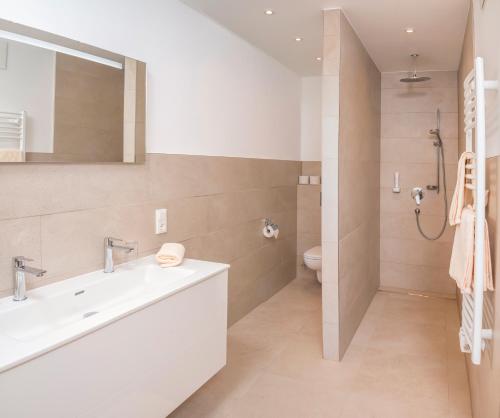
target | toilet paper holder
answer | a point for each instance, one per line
(269, 222)
(270, 228)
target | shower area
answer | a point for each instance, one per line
(389, 163)
(419, 144)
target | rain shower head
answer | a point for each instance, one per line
(414, 78)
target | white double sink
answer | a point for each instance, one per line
(133, 343)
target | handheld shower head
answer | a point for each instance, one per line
(437, 131)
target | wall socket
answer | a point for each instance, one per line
(160, 221)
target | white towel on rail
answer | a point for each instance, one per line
(458, 200)
(488, 271)
(462, 255)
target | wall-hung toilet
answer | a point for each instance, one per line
(312, 259)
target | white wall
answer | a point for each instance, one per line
(27, 84)
(209, 92)
(486, 37)
(310, 117)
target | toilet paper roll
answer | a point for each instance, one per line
(314, 179)
(268, 232)
(303, 179)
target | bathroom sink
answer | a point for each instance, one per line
(135, 342)
(59, 312)
(42, 315)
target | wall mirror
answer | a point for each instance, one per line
(66, 102)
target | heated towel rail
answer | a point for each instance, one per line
(13, 130)
(472, 334)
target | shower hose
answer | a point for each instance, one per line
(445, 219)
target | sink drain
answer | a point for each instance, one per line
(87, 314)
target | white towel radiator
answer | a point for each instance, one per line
(472, 334)
(13, 130)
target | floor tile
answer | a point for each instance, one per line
(403, 362)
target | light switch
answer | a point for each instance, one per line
(161, 221)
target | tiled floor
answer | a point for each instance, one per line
(404, 362)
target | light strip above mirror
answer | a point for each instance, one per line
(58, 48)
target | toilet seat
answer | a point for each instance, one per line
(313, 253)
(312, 259)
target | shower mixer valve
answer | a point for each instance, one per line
(417, 194)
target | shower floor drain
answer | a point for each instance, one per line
(87, 314)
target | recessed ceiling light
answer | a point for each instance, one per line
(409, 30)
(298, 39)
(269, 12)
(319, 58)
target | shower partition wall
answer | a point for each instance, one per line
(351, 205)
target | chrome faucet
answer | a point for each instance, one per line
(20, 270)
(109, 245)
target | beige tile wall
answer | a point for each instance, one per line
(308, 217)
(484, 380)
(466, 65)
(329, 170)
(359, 160)
(407, 260)
(59, 214)
(350, 169)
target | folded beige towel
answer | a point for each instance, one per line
(458, 199)
(11, 156)
(462, 255)
(170, 254)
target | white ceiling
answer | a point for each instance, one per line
(439, 28)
